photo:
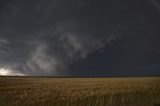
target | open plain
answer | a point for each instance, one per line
(48, 91)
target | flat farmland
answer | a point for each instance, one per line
(47, 91)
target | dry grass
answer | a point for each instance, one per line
(34, 91)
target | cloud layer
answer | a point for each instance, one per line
(44, 37)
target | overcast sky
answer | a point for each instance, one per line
(80, 37)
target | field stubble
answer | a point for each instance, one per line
(36, 91)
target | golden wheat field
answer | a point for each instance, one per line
(37, 91)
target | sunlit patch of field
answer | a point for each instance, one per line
(36, 91)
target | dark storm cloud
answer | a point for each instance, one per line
(41, 37)
(45, 37)
(156, 4)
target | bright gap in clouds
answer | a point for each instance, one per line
(8, 72)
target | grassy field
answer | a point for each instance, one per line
(36, 91)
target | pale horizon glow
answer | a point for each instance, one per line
(8, 72)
